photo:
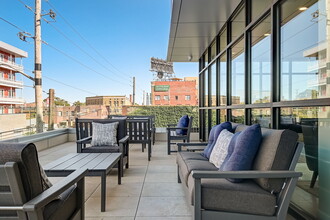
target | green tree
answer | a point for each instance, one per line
(78, 103)
(61, 102)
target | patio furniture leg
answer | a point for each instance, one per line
(103, 190)
(120, 171)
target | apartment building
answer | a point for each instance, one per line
(9, 99)
(175, 92)
(113, 104)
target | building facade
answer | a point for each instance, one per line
(266, 62)
(114, 104)
(9, 68)
(175, 92)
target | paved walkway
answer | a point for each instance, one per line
(149, 190)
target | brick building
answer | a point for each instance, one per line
(112, 103)
(8, 83)
(175, 92)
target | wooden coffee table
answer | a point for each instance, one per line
(98, 164)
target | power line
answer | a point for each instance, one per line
(82, 64)
(81, 49)
(84, 39)
(83, 90)
(26, 6)
(12, 24)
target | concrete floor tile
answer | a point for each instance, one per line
(162, 189)
(163, 207)
(125, 189)
(162, 169)
(115, 206)
(161, 177)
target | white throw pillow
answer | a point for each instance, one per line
(220, 149)
(104, 134)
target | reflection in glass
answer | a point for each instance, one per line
(213, 50)
(223, 79)
(306, 121)
(237, 75)
(237, 116)
(213, 117)
(258, 7)
(223, 39)
(261, 63)
(223, 115)
(303, 52)
(206, 88)
(261, 116)
(206, 121)
(238, 24)
(213, 85)
(206, 59)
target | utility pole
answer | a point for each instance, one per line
(133, 90)
(37, 68)
(51, 109)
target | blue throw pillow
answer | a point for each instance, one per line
(246, 147)
(183, 122)
(217, 129)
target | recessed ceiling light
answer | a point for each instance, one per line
(267, 34)
(302, 8)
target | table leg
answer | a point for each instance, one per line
(103, 190)
(120, 171)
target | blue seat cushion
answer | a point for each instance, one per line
(213, 136)
(183, 122)
(242, 155)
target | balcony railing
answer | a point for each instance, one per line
(11, 100)
(10, 65)
(11, 83)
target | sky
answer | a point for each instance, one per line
(93, 47)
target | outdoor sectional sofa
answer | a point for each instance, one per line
(265, 192)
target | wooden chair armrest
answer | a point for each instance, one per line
(84, 140)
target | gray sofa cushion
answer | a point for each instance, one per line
(25, 155)
(187, 166)
(190, 156)
(275, 153)
(246, 197)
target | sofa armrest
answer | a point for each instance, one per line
(249, 174)
(50, 194)
(192, 146)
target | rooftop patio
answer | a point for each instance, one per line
(149, 189)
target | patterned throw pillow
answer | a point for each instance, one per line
(44, 179)
(104, 134)
(220, 149)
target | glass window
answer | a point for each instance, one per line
(223, 79)
(206, 91)
(237, 116)
(213, 117)
(223, 39)
(261, 62)
(238, 24)
(187, 97)
(303, 51)
(223, 115)
(258, 7)
(206, 59)
(166, 97)
(261, 116)
(157, 97)
(237, 73)
(176, 97)
(311, 124)
(213, 50)
(213, 85)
